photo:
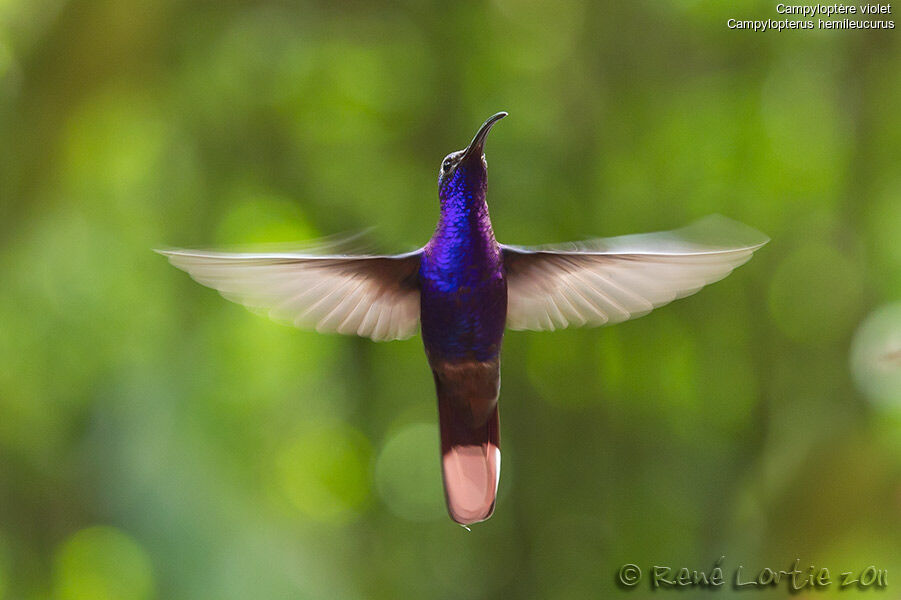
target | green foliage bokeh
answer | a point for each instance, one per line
(157, 441)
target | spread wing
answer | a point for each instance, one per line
(606, 281)
(371, 296)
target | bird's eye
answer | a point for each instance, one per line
(448, 163)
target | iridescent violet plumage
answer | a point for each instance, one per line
(464, 294)
(463, 312)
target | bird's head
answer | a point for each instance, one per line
(465, 171)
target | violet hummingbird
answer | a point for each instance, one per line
(463, 289)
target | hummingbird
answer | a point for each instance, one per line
(463, 289)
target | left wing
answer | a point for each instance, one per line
(371, 296)
(611, 280)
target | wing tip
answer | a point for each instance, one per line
(713, 234)
(717, 229)
(172, 253)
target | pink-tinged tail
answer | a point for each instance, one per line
(470, 438)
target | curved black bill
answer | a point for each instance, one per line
(478, 142)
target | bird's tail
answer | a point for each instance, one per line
(470, 437)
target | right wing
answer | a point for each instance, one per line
(611, 280)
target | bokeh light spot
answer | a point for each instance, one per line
(114, 147)
(408, 473)
(257, 217)
(651, 367)
(324, 472)
(876, 356)
(815, 295)
(102, 563)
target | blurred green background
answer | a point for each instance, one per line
(157, 441)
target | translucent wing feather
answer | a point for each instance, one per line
(371, 296)
(606, 281)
